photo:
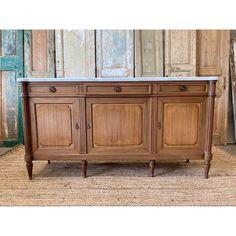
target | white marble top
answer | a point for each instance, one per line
(127, 79)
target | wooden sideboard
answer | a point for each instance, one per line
(118, 119)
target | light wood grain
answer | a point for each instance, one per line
(180, 52)
(182, 125)
(213, 59)
(54, 125)
(118, 88)
(148, 53)
(75, 53)
(9, 105)
(233, 79)
(118, 124)
(39, 53)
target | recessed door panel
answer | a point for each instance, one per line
(55, 124)
(181, 124)
(118, 125)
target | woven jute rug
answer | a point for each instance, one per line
(118, 184)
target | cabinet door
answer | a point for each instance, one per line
(55, 124)
(118, 125)
(181, 125)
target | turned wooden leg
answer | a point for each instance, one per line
(29, 166)
(49, 162)
(207, 163)
(206, 170)
(187, 161)
(84, 168)
(152, 164)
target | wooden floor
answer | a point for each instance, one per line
(119, 184)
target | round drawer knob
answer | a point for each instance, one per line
(183, 88)
(52, 89)
(118, 89)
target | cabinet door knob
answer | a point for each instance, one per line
(77, 125)
(88, 126)
(183, 88)
(52, 89)
(159, 126)
(118, 89)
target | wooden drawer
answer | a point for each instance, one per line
(102, 88)
(183, 88)
(52, 89)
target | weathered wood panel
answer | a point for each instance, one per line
(8, 43)
(9, 105)
(213, 60)
(114, 53)
(11, 67)
(75, 53)
(180, 52)
(39, 53)
(233, 80)
(148, 53)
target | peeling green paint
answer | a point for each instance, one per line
(11, 64)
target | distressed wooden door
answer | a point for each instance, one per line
(233, 79)
(118, 125)
(75, 53)
(39, 53)
(114, 53)
(180, 52)
(149, 53)
(11, 68)
(213, 48)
